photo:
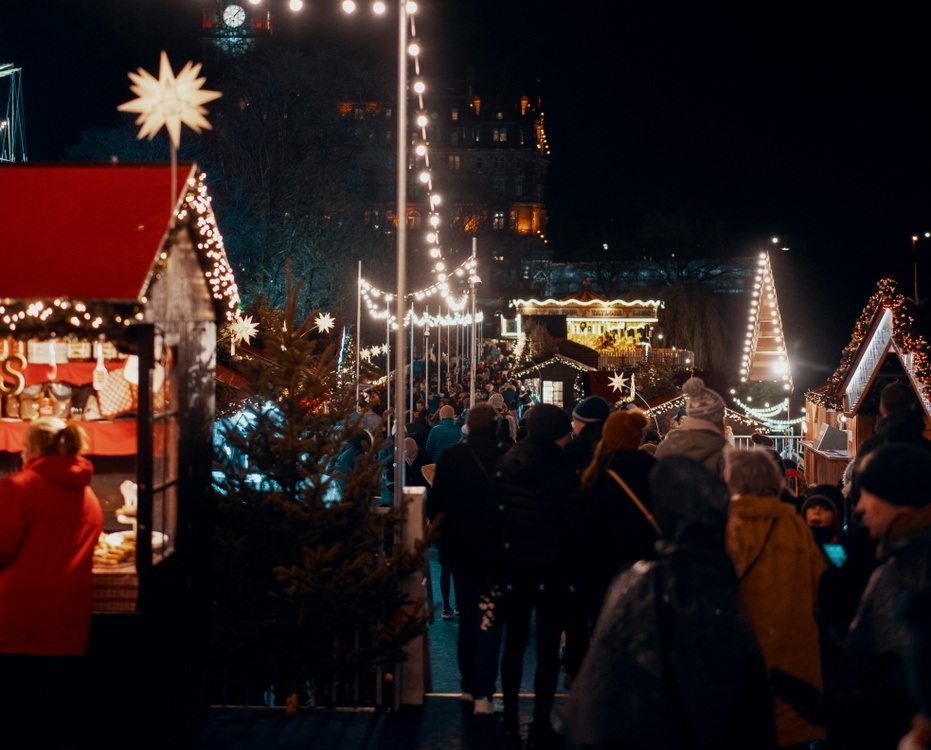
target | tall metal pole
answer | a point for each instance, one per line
(473, 353)
(401, 341)
(411, 359)
(358, 333)
(426, 357)
(388, 361)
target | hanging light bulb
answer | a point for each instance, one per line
(349, 6)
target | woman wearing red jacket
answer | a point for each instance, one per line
(50, 521)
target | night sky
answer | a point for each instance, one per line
(760, 120)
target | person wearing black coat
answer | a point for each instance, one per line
(464, 498)
(536, 483)
(674, 662)
(612, 529)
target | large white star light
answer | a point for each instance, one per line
(618, 382)
(169, 100)
(324, 322)
(242, 330)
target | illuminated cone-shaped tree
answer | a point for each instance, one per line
(307, 580)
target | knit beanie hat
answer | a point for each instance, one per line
(898, 473)
(623, 431)
(703, 403)
(591, 409)
(819, 500)
(548, 422)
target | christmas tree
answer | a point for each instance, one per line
(307, 575)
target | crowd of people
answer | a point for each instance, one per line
(687, 593)
(690, 594)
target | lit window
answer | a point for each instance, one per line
(452, 162)
(552, 392)
(498, 220)
(455, 114)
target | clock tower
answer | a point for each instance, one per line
(233, 27)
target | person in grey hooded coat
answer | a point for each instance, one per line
(674, 662)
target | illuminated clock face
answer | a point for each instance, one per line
(234, 16)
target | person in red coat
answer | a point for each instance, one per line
(50, 522)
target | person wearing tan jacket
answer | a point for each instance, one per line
(778, 566)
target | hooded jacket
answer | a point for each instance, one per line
(698, 440)
(673, 661)
(50, 521)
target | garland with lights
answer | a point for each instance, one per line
(908, 341)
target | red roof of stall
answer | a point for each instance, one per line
(83, 231)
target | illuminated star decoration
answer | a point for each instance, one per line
(241, 331)
(618, 382)
(324, 322)
(169, 100)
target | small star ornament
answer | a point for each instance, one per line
(169, 100)
(324, 322)
(619, 382)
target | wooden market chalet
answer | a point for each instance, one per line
(888, 343)
(115, 282)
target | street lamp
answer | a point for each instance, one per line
(400, 339)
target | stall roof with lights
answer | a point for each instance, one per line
(888, 327)
(85, 243)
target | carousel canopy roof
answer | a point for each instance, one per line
(84, 231)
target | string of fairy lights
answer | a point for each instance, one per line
(377, 301)
(764, 309)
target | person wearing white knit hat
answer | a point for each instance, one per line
(700, 436)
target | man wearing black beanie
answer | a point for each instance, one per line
(870, 706)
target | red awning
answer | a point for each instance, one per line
(84, 231)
